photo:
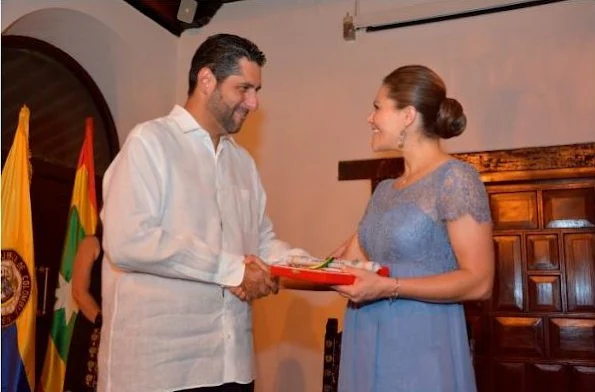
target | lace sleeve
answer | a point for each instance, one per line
(463, 193)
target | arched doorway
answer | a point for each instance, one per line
(60, 95)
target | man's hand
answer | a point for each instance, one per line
(238, 292)
(257, 282)
(271, 282)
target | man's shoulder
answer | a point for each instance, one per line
(156, 129)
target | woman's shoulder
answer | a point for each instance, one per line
(384, 185)
(462, 192)
(455, 169)
(455, 164)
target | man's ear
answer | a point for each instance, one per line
(206, 80)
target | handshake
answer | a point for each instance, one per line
(257, 281)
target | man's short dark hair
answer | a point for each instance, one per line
(221, 53)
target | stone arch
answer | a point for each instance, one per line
(62, 56)
(99, 48)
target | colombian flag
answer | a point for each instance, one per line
(19, 290)
(82, 221)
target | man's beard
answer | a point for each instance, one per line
(224, 114)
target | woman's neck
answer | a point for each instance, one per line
(422, 157)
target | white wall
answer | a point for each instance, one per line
(130, 58)
(523, 77)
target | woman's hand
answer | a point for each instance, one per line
(86, 254)
(368, 286)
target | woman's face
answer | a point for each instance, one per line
(387, 123)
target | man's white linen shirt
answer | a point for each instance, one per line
(178, 217)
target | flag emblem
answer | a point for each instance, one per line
(16, 286)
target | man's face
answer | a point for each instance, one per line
(235, 97)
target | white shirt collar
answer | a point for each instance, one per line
(187, 123)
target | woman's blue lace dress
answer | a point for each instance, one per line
(407, 345)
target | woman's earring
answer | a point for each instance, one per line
(401, 141)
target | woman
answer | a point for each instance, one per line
(81, 372)
(432, 227)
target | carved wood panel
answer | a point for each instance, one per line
(542, 252)
(582, 379)
(519, 336)
(514, 210)
(544, 293)
(543, 313)
(521, 164)
(543, 306)
(510, 377)
(547, 377)
(572, 338)
(580, 271)
(569, 208)
(508, 290)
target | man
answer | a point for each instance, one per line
(183, 205)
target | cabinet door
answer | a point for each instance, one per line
(538, 330)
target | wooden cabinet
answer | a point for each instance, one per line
(537, 333)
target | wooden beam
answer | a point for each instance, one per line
(566, 161)
(533, 158)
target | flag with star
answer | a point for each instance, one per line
(82, 221)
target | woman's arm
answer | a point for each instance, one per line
(350, 250)
(86, 254)
(473, 248)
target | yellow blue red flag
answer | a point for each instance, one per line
(82, 221)
(19, 289)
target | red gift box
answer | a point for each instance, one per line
(321, 276)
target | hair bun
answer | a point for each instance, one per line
(450, 121)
